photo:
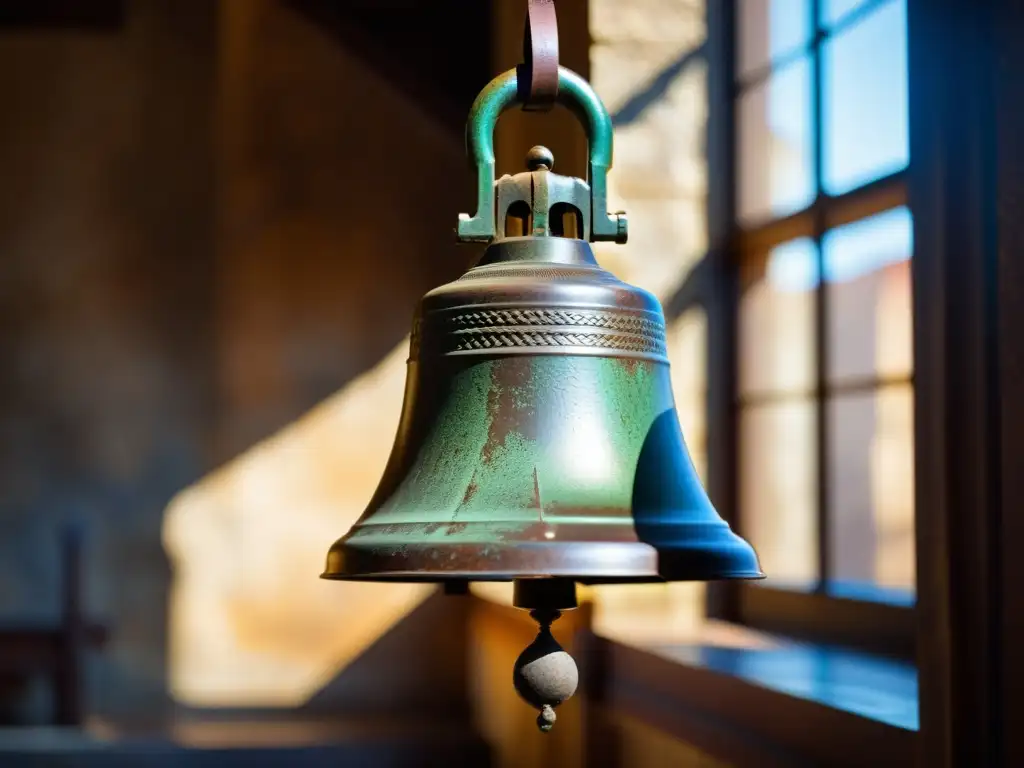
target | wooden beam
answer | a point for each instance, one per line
(1010, 281)
(875, 627)
(729, 717)
(23, 15)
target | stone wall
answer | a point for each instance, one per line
(213, 218)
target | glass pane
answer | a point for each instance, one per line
(775, 165)
(864, 100)
(778, 490)
(776, 323)
(868, 272)
(687, 353)
(769, 29)
(871, 487)
(833, 11)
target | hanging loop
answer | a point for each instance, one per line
(538, 74)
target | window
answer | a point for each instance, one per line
(802, 303)
(817, 242)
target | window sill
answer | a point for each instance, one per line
(755, 699)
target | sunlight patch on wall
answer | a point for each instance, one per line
(647, 68)
(251, 624)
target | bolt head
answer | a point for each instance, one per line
(540, 157)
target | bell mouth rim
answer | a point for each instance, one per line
(594, 562)
(413, 577)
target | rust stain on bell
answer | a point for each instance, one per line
(470, 490)
(538, 504)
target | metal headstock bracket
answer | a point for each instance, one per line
(590, 197)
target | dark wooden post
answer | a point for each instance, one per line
(967, 198)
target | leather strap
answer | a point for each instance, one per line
(538, 74)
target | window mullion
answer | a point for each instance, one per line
(861, 203)
(820, 306)
(719, 289)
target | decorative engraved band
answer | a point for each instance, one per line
(590, 318)
(536, 331)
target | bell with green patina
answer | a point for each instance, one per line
(539, 441)
(539, 437)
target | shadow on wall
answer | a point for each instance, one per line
(338, 201)
(385, 679)
(390, 675)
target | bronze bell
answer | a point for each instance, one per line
(539, 441)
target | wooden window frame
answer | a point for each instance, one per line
(813, 616)
(965, 185)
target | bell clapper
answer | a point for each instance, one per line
(544, 674)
